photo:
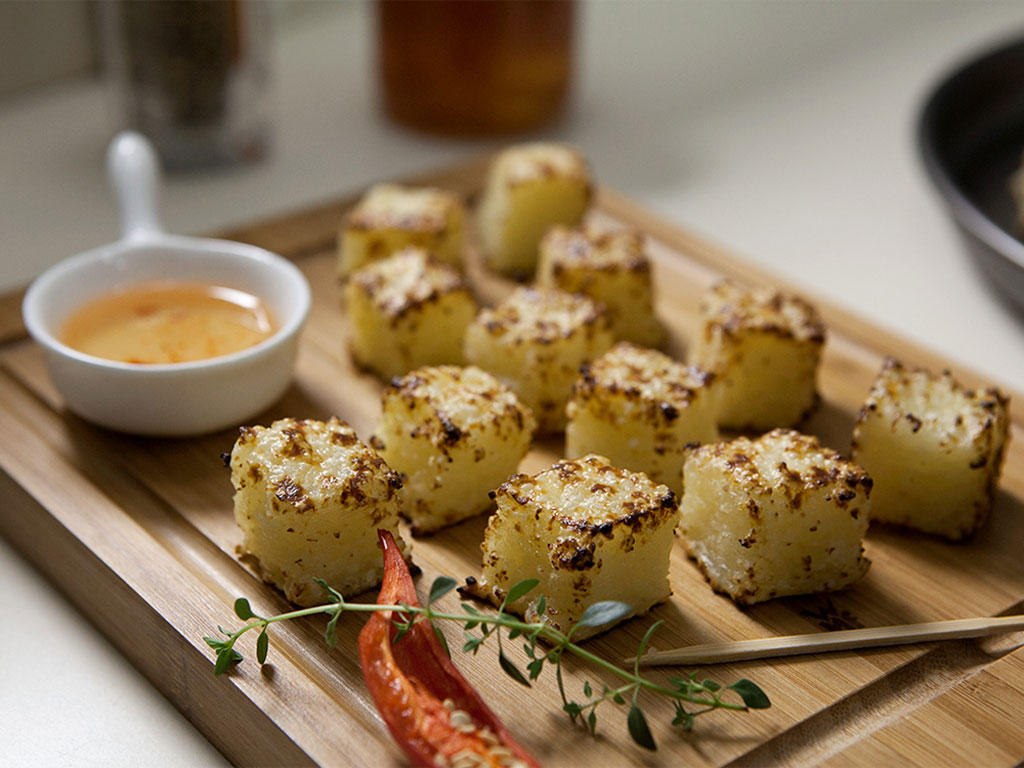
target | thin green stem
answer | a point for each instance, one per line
(583, 653)
(707, 695)
(553, 636)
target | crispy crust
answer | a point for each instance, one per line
(583, 248)
(533, 315)
(644, 376)
(389, 206)
(407, 282)
(633, 501)
(732, 310)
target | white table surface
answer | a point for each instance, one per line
(783, 130)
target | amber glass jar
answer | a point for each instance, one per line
(475, 67)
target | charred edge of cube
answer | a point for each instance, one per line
(637, 517)
(591, 385)
(739, 309)
(506, 317)
(397, 308)
(577, 249)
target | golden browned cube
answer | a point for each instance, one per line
(765, 347)
(535, 342)
(589, 532)
(934, 449)
(454, 434)
(309, 498)
(407, 311)
(641, 408)
(775, 516)
(391, 217)
(610, 267)
(529, 188)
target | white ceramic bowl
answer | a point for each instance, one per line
(179, 398)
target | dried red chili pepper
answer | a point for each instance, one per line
(419, 692)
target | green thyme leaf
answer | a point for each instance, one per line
(751, 694)
(587, 691)
(403, 622)
(441, 639)
(472, 624)
(512, 670)
(442, 586)
(520, 589)
(592, 721)
(225, 658)
(534, 668)
(711, 685)
(242, 609)
(638, 728)
(262, 644)
(333, 595)
(541, 605)
(331, 632)
(683, 718)
(604, 612)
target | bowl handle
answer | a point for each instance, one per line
(135, 175)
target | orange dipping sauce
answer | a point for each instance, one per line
(168, 322)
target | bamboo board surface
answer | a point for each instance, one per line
(139, 533)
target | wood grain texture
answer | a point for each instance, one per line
(979, 721)
(141, 531)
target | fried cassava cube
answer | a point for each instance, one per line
(535, 342)
(610, 267)
(934, 449)
(529, 188)
(588, 531)
(407, 311)
(775, 516)
(391, 217)
(454, 434)
(765, 347)
(640, 408)
(309, 498)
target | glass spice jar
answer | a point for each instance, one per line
(192, 77)
(475, 67)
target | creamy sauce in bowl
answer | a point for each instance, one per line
(168, 322)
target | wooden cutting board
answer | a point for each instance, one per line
(139, 533)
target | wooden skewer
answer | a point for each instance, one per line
(843, 640)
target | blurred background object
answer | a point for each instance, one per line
(191, 76)
(971, 133)
(60, 45)
(473, 68)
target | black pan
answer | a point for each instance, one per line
(971, 135)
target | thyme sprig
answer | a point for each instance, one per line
(542, 644)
